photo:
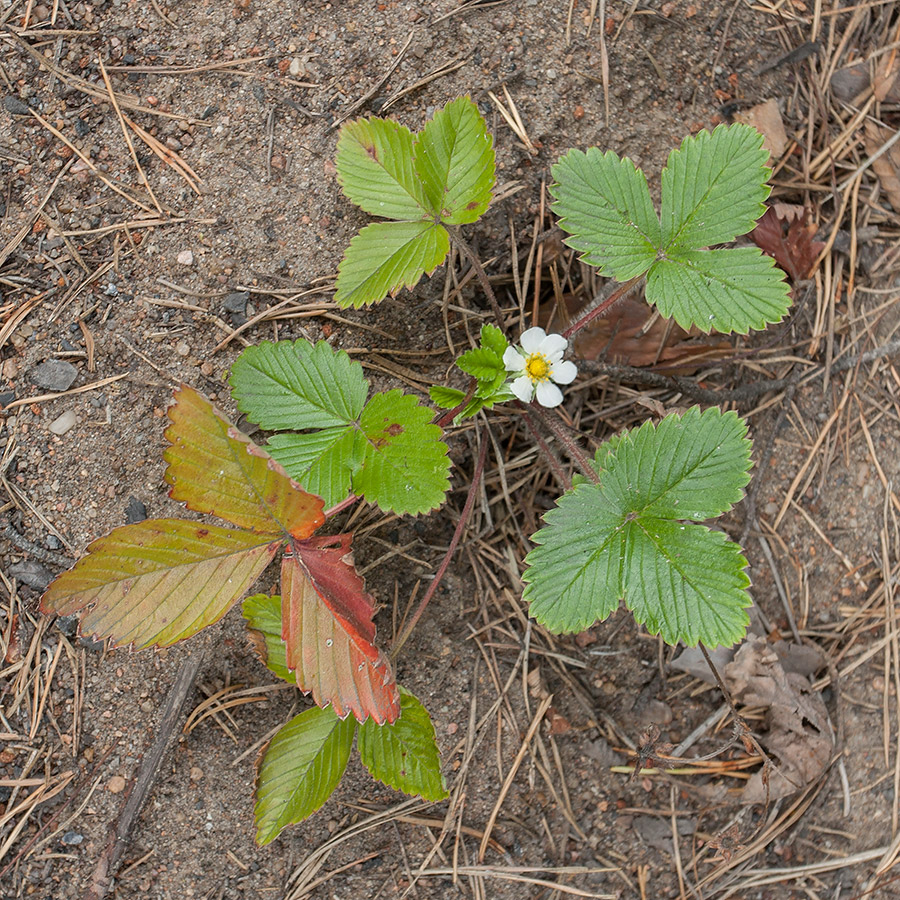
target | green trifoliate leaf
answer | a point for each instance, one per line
(301, 767)
(375, 169)
(263, 615)
(454, 157)
(624, 538)
(404, 466)
(404, 754)
(387, 256)
(713, 187)
(297, 385)
(481, 363)
(604, 204)
(727, 289)
(322, 462)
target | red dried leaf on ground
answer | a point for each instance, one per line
(790, 241)
(329, 633)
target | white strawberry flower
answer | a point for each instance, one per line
(538, 363)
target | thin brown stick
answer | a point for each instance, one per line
(105, 869)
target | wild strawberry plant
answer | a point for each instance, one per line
(629, 527)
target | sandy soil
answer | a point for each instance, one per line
(250, 96)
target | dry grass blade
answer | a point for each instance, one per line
(513, 119)
(134, 156)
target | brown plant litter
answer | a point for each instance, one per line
(135, 134)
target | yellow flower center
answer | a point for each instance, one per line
(537, 367)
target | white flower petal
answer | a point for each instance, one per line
(564, 372)
(523, 388)
(554, 345)
(548, 394)
(513, 360)
(532, 339)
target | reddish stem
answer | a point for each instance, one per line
(448, 417)
(552, 459)
(445, 562)
(563, 436)
(600, 308)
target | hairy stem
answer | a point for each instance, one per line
(552, 458)
(561, 433)
(449, 416)
(407, 629)
(592, 313)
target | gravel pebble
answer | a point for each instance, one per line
(31, 573)
(185, 258)
(54, 375)
(61, 424)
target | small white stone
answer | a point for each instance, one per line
(183, 348)
(185, 258)
(61, 424)
(296, 67)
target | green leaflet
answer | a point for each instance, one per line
(729, 289)
(404, 754)
(322, 461)
(375, 169)
(405, 467)
(442, 176)
(293, 384)
(454, 157)
(387, 256)
(604, 204)
(300, 769)
(713, 188)
(263, 615)
(627, 538)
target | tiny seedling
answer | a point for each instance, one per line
(627, 528)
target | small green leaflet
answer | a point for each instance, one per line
(636, 535)
(263, 615)
(404, 754)
(713, 188)
(485, 365)
(442, 176)
(385, 449)
(300, 769)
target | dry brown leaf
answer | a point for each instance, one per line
(887, 166)
(766, 119)
(789, 240)
(797, 732)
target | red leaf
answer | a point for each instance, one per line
(789, 241)
(329, 633)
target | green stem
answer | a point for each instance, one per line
(445, 562)
(589, 316)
